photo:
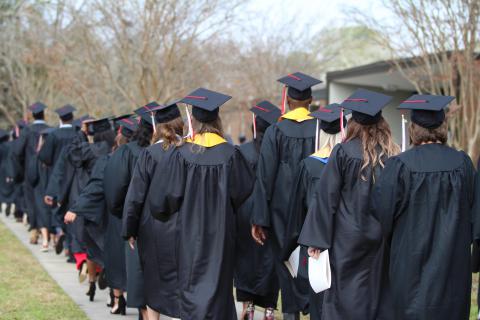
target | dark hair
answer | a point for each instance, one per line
(419, 135)
(262, 126)
(108, 136)
(120, 140)
(39, 115)
(293, 103)
(143, 134)
(214, 126)
(169, 133)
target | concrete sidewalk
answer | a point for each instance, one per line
(66, 275)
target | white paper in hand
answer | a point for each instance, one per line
(319, 273)
(293, 262)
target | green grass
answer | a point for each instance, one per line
(26, 290)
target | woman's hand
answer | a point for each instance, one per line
(314, 253)
(69, 217)
(131, 242)
(259, 234)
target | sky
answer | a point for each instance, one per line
(317, 13)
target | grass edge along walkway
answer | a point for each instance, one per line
(26, 290)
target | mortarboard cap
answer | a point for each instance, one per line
(166, 113)
(366, 106)
(127, 126)
(22, 123)
(329, 117)
(116, 120)
(299, 85)
(78, 122)
(205, 103)
(146, 111)
(427, 110)
(266, 111)
(100, 125)
(37, 107)
(66, 112)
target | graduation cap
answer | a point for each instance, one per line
(37, 108)
(427, 110)
(332, 120)
(205, 103)
(66, 112)
(78, 122)
(166, 113)
(146, 112)
(366, 106)
(21, 123)
(127, 126)
(299, 87)
(116, 120)
(98, 126)
(266, 111)
(264, 114)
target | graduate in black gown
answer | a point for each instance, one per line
(118, 174)
(114, 255)
(255, 277)
(87, 214)
(49, 154)
(284, 145)
(156, 239)
(25, 151)
(340, 217)
(424, 201)
(6, 186)
(206, 180)
(306, 184)
(14, 172)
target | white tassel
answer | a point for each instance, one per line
(254, 127)
(317, 129)
(190, 127)
(404, 134)
(153, 122)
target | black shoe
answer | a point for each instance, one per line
(59, 244)
(112, 297)
(102, 280)
(121, 307)
(91, 291)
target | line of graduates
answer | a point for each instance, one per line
(170, 213)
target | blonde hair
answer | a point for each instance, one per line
(376, 142)
(327, 140)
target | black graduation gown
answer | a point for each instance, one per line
(42, 211)
(157, 244)
(255, 277)
(51, 154)
(14, 170)
(90, 205)
(303, 189)
(284, 146)
(25, 149)
(7, 190)
(205, 188)
(119, 172)
(423, 201)
(340, 219)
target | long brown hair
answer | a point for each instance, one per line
(214, 126)
(169, 133)
(376, 141)
(419, 135)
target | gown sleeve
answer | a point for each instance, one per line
(317, 230)
(137, 192)
(56, 178)
(297, 209)
(241, 180)
(475, 198)
(171, 187)
(91, 203)
(266, 175)
(47, 151)
(388, 197)
(117, 180)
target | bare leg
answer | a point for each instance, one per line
(152, 314)
(92, 270)
(45, 239)
(144, 313)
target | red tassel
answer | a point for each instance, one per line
(415, 101)
(284, 98)
(355, 100)
(196, 97)
(254, 127)
(260, 108)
